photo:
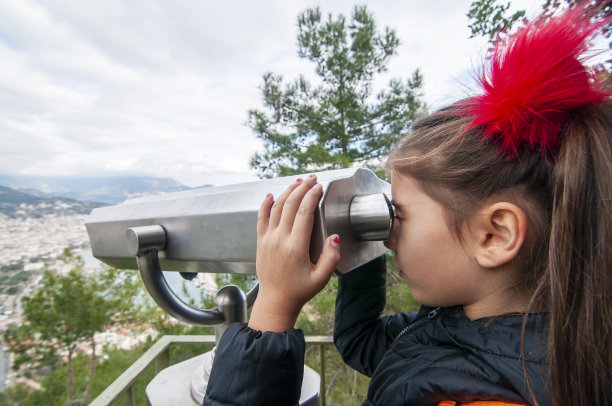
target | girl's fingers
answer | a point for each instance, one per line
(294, 202)
(277, 207)
(328, 261)
(302, 225)
(263, 216)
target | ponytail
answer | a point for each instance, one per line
(579, 271)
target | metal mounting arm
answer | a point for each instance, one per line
(145, 242)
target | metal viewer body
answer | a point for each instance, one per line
(214, 229)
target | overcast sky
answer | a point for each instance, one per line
(162, 88)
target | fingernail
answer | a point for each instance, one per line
(298, 180)
(269, 195)
(311, 176)
(335, 241)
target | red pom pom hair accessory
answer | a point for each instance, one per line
(534, 81)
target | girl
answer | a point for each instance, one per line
(503, 234)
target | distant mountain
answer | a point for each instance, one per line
(110, 190)
(15, 203)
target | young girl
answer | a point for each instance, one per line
(503, 234)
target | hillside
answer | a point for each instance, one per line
(14, 203)
(110, 190)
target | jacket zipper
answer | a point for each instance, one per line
(430, 316)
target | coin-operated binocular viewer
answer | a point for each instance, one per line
(214, 230)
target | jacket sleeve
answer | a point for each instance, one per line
(361, 335)
(254, 368)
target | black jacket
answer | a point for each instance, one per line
(413, 358)
(436, 354)
(253, 369)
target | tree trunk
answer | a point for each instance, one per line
(92, 371)
(343, 137)
(69, 388)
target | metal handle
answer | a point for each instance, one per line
(371, 219)
(145, 243)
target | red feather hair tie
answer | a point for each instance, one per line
(534, 81)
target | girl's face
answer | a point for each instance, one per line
(430, 258)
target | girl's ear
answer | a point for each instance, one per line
(500, 230)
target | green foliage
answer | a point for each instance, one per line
(67, 310)
(11, 267)
(15, 395)
(13, 278)
(53, 387)
(336, 123)
(116, 363)
(488, 18)
(63, 312)
(18, 278)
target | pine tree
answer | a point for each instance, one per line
(337, 122)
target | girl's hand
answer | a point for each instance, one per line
(287, 278)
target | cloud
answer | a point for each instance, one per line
(162, 88)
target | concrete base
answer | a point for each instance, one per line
(180, 383)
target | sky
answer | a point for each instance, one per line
(162, 88)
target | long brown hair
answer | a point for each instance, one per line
(567, 197)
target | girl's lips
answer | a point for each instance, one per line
(395, 264)
(399, 271)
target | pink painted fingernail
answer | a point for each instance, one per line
(269, 195)
(298, 180)
(335, 241)
(311, 176)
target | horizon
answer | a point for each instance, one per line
(222, 178)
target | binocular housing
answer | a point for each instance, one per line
(214, 229)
